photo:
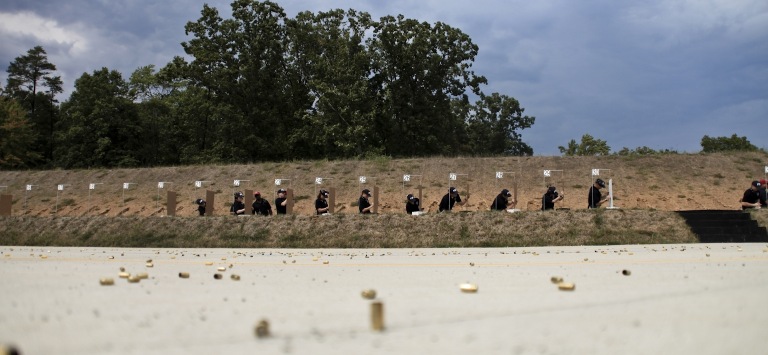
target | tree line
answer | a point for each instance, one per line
(261, 86)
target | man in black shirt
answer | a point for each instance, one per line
(549, 199)
(260, 205)
(200, 206)
(412, 204)
(281, 201)
(321, 203)
(595, 198)
(751, 198)
(450, 199)
(362, 203)
(238, 207)
(503, 201)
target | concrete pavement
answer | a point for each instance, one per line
(677, 299)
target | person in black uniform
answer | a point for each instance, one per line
(751, 198)
(549, 198)
(200, 206)
(238, 207)
(260, 205)
(595, 198)
(503, 201)
(450, 199)
(363, 204)
(321, 203)
(412, 204)
(281, 201)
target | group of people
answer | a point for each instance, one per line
(503, 201)
(755, 196)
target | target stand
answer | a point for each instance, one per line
(597, 172)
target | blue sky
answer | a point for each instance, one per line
(650, 73)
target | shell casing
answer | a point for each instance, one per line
(468, 288)
(150, 265)
(142, 275)
(134, 279)
(377, 316)
(217, 276)
(124, 275)
(326, 262)
(368, 294)
(556, 279)
(626, 272)
(262, 329)
(208, 263)
(566, 286)
(184, 275)
(235, 277)
(106, 281)
(221, 268)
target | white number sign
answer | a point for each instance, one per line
(406, 178)
(126, 185)
(452, 176)
(236, 183)
(547, 173)
(92, 186)
(362, 179)
(595, 172)
(499, 174)
(318, 180)
(29, 187)
(61, 187)
(160, 185)
(278, 182)
(198, 184)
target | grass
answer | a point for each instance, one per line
(477, 229)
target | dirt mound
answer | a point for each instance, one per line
(662, 182)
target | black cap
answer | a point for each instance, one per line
(367, 192)
(453, 190)
(756, 183)
(199, 201)
(410, 197)
(281, 191)
(506, 192)
(239, 194)
(600, 182)
(325, 193)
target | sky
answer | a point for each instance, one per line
(655, 73)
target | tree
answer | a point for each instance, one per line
(588, 146)
(418, 70)
(16, 135)
(494, 125)
(99, 126)
(241, 62)
(724, 144)
(31, 83)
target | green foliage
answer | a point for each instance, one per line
(16, 136)
(260, 86)
(725, 144)
(588, 146)
(32, 84)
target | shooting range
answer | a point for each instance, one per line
(126, 186)
(59, 191)
(556, 178)
(362, 180)
(596, 173)
(331, 193)
(288, 194)
(452, 178)
(5, 205)
(27, 190)
(160, 186)
(509, 175)
(92, 186)
(407, 179)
